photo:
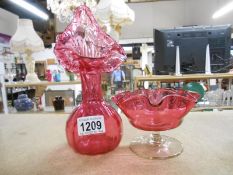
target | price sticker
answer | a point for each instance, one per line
(91, 125)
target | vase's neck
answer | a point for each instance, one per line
(91, 87)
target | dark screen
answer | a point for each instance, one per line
(192, 52)
(192, 42)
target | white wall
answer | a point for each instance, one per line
(199, 12)
(169, 14)
(162, 14)
(8, 22)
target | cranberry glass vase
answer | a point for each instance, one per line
(156, 110)
(94, 127)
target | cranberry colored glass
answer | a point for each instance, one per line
(94, 127)
(156, 110)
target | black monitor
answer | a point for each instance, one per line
(192, 42)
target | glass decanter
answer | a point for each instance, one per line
(94, 127)
(156, 110)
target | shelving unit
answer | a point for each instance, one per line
(188, 77)
(39, 86)
(173, 78)
(41, 83)
(2, 88)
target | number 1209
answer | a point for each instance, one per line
(90, 125)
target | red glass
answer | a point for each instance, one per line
(84, 48)
(48, 75)
(156, 110)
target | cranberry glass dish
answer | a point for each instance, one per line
(156, 110)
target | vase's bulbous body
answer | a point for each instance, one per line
(94, 127)
(156, 110)
(94, 143)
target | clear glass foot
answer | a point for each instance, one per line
(156, 146)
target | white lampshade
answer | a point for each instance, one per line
(26, 38)
(115, 12)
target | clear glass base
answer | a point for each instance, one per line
(156, 146)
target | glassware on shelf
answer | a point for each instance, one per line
(48, 75)
(94, 127)
(58, 103)
(10, 75)
(70, 75)
(227, 97)
(196, 87)
(37, 104)
(8, 59)
(56, 76)
(156, 110)
(215, 97)
(23, 103)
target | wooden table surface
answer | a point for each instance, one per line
(36, 144)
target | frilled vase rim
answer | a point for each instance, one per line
(78, 44)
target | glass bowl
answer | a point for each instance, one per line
(156, 110)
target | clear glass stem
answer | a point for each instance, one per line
(155, 138)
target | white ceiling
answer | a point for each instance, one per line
(139, 1)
